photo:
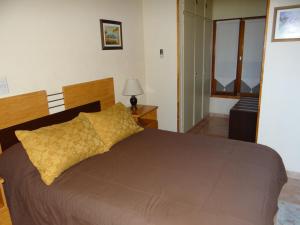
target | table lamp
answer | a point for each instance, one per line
(132, 88)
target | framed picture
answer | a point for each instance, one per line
(111, 34)
(286, 24)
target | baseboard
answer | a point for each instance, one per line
(293, 175)
(218, 115)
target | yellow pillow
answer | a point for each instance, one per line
(113, 124)
(56, 148)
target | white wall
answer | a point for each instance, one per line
(221, 105)
(224, 9)
(160, 32)
(48, 44)
(279, 123)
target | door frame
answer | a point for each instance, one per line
(262, 69)
(180, 66)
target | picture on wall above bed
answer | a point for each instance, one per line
(111, 34)
(286, 24)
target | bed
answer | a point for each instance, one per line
(151, 178)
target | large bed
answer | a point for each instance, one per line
(151, 178)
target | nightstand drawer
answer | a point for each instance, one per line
(4, 213)
(146, 116)
(148, 123)
(4, 217)
(2, 204)
(150, 115)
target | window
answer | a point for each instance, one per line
(237, 56)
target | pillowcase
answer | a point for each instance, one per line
(113, 124)
(56, 148)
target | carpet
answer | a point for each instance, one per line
(288, 213)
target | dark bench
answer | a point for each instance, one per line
(242, 119)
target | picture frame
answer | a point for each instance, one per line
(286, 24)
(111, 34)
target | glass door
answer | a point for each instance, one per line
(252, 56)
(226, 53)
(237, 56)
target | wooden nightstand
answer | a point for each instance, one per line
(146, 116)
(4, 212)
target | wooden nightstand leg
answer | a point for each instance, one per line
(4, 212)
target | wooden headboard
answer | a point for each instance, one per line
(83, 93)
(7, 135)
(22, 108)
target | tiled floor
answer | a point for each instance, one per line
(213, 126)
(291, 192)
(218, 126)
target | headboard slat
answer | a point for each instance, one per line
(21, 108)
(83, 93)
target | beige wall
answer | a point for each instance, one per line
(160, 32)
(221, 105)
(48, 44)
(279, 124)
(224, 9)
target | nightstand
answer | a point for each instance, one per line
(4, 212)
(146, 116)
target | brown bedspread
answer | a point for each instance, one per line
(154, 178)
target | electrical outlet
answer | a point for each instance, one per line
(3, 86)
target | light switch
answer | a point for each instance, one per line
(3, 86)
(161, 53)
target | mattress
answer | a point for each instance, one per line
(151, 178)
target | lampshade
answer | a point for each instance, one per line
(132, 87)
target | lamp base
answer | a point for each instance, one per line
(133, 101)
